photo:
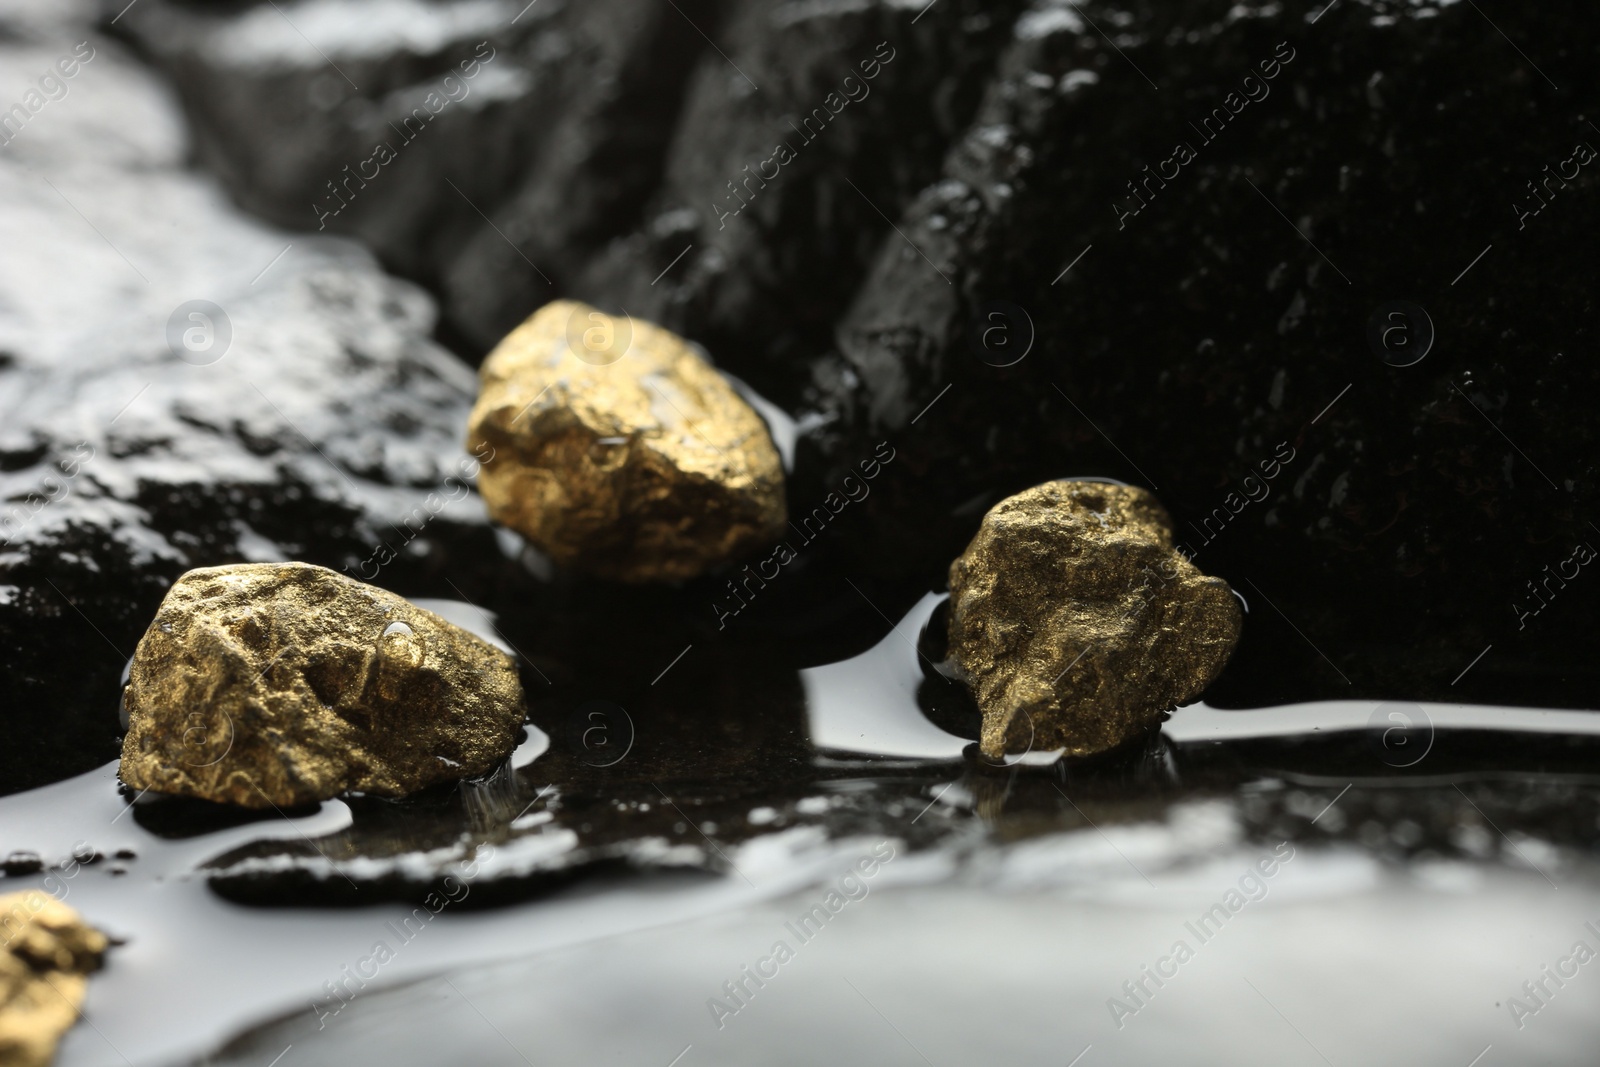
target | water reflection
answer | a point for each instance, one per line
(724, 761)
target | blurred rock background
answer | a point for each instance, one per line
(1204, 333)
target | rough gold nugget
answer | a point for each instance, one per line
(46, 955)
(1077, 624)
(618, 450)
(283, 683)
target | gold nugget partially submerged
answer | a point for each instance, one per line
(618, 450)
(1077, 624)
(266, 684)
(46, 954)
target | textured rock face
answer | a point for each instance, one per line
(618, 450)
(284, 683)
(400, 122)
(625, 65)
(1197, 339)
(307, 416)
(599, 140)
(1201, 336)
(1076, 622)
(46, 955)
(816, 122)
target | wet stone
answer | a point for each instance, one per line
(617, 449)
(1076, 622)
(1211, 349)
(305, 415)
(280, 684)
(772, 197)
(18, 863)
(46, 955)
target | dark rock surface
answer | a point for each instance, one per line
(599, 141)
(547, 104)
(1196, 346)
(312, 419)
(1405, 532)
(797, 143)
(1387, 524)
(594, 168)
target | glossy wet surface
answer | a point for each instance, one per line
(637, 851)
(1397, 883)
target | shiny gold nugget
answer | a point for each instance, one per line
(266, 684)
(46, 955)
(1076, 623)
(620, 451)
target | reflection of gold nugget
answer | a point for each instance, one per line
(46, 954)
(284, 683)
(1076, 622)
(620, 451)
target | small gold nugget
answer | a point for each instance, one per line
(618, 450)
(1077, 624)
(266, 684)
(46, 955)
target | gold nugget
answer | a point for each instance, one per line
(620, 451)
(46, 955)
(265, 684)
(1077, 624)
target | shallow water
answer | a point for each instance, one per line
(681, 804)
(1343, 960)
(573, 909)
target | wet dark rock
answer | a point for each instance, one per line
(595, 167)
(1383, 522)
(19, 863)
(360, 118)
(816, 124)
(303, 414)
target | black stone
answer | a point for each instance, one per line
(562, 101)
(1222, 328)
(20, 863)
(312, 418)
(773, 244)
